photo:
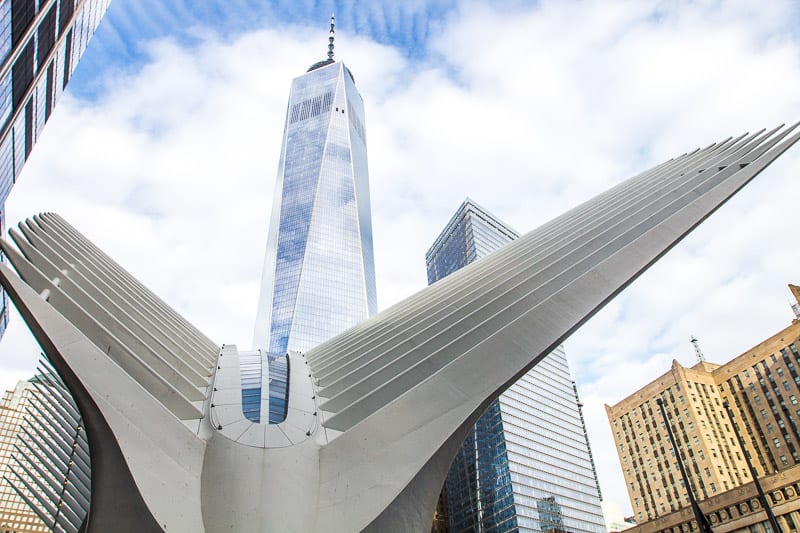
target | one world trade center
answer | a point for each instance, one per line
(319, 273)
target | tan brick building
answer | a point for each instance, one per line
(762, 386)
(739, 510)
(702, 430)
(15, 514)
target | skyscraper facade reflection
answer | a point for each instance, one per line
(526, 465)
(41, 42)
(319, 273)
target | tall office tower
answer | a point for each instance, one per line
(526, 464)
(319, 273)
(41, 42)
(762, 387)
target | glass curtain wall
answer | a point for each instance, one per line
(41, 42)
(526, 465)
(319, 274)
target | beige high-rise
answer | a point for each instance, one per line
(15, 514)
(762, 386)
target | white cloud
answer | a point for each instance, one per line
(526, 110)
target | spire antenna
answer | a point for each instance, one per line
(330, 38)
(697, 351)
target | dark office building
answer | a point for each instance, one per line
(526, 465)
(41, 41)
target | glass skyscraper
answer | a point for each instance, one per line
(319, 273)
(526, 464)
(41, 42)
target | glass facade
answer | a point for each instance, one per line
(478, 487)
(526, 464)
(276, 400)
(550, 518)
(319, 274)
(41, 42)
(250, 377)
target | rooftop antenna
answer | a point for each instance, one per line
(796, 304)
(330, 38)
(697, 351)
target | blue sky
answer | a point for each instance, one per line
(128, 25)
(165, 146)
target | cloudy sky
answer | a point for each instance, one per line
(165, 147)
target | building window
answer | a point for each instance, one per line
(769, 428)
(746, 373)
(779, 371)
(757, 400)
(793, 399)
(776, 442)
(784, 462)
